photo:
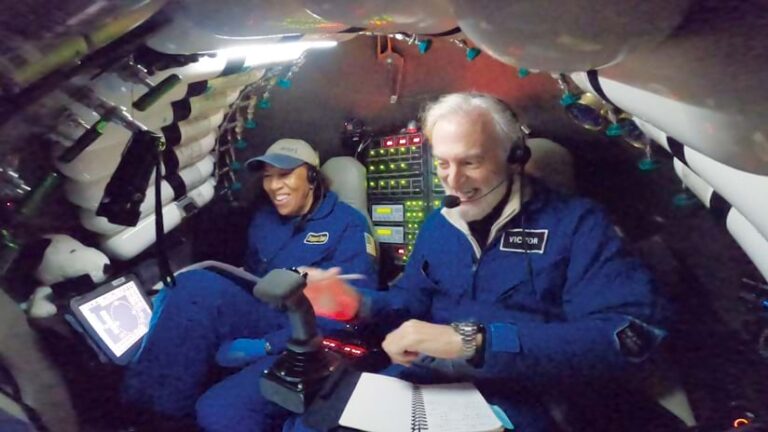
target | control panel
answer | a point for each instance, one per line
(402, 190)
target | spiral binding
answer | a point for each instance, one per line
(418, 411)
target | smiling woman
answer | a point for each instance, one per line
(303, 224)
(289, 189)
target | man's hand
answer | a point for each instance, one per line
(330, 296)
(415, 337)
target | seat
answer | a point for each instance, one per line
(347, 178)
(664, 384)
(37, 377)
(552, 164)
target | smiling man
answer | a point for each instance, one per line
(519, 289)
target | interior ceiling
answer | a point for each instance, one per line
(349, 81)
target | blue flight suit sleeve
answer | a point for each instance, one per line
(611, 317)
(409, 296)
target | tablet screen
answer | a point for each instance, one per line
(119, 317)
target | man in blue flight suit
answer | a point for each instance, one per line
(516, 288)
(208, 319)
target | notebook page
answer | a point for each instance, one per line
(379, 404)
(458, 408)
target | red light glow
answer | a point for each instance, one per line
(739, 422)
(346, 349)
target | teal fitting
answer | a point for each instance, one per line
(472, 53)
(568, 99)
(236, 166)
(614, 130)
(425, 45)
(236, 186)
(646, 164)
(241, 144)
(683, 199)
(523, 72)
(265, 104)
(284, 83)
(249, 123)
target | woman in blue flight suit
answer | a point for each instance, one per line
(208, 319)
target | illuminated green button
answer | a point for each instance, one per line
(382, 167)
(372, 184)
(403, 182)
(393, 183)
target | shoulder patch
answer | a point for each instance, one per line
(370, 244)
(316, 238)
(515, 240)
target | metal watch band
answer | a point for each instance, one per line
(468, 332)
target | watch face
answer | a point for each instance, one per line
(466, 327)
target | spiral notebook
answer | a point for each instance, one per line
(385, 404)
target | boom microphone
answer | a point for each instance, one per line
(453, 201)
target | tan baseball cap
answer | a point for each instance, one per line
(286, 153)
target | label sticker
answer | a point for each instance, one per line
(533, 241)
(316, 238)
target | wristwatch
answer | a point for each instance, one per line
(468, 332)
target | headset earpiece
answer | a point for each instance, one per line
(312, 176)
(519, 153)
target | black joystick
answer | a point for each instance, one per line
(297, 376)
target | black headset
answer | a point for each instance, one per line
(313, 176)
(519, 153)
(317, 187)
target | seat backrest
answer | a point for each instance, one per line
(347, 177)
(552, 164)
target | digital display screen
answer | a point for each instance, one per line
(383, 231)
(383, 210)
(120, 317)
